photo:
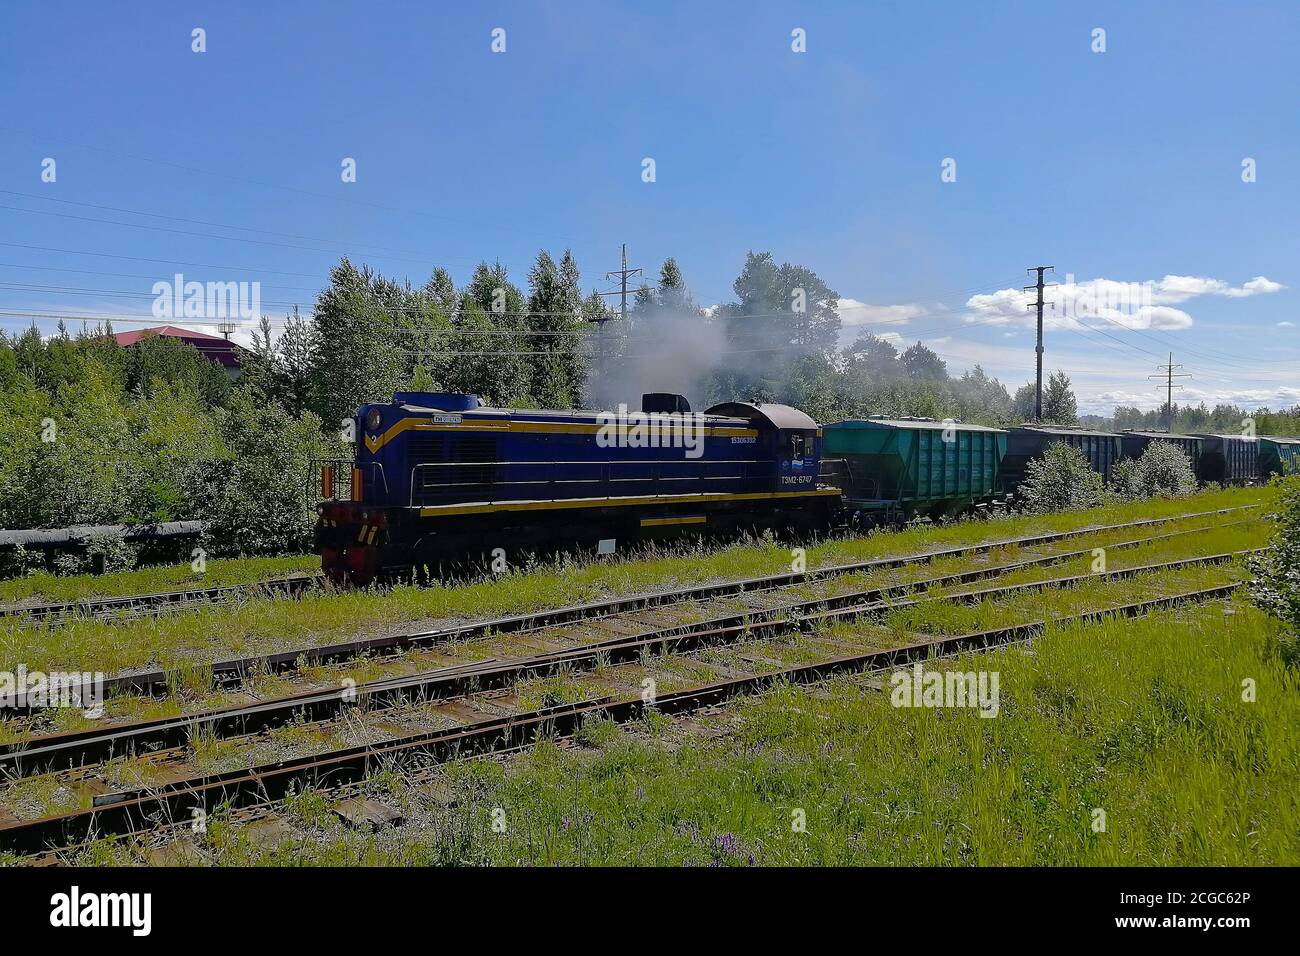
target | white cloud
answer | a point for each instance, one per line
(1286, 325)
(1105, 302)
(854, 313)
(1256, 286)
(1159, 317)
(1174, 289)
(1182, 288)
(999, 308)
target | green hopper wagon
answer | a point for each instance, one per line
(1278, 456)
(892, 470)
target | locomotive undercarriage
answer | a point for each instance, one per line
(362, 545)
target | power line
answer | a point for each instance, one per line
(205, 222)
(208, 235)
(201, 320)
(175, 262)
(333, 197)
(1165, 341)
(1115, 338)
(130, 275)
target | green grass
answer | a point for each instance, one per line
(259, 626)
(54, 588)
(1142, 719)
(670, 673)
(940, 616)
(950, 617)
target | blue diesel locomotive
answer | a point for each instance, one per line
(440, 478)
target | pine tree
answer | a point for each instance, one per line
(672, 294)
(295, 353)
(556, 331)
(443, 291)
(492, 358)
(358, 358)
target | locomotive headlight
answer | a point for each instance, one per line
(374, 420)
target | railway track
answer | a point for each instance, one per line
(230, 672)
(65, 751)
(144, 810)
(139, 605)
(42, 754)
(135, 605)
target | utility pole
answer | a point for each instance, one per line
(1169, 375)
(623, 274)
(1038, 378)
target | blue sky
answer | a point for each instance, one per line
(1116, 167)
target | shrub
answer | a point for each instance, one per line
(1275, 585)
(19, 561)
(258, 497)
(1061, 480)
(1164, 470)
(103, 554)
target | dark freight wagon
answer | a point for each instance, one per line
(895, 469)
(1228, 459)
(1027, 442)
(1135, 443)
(1278, 456)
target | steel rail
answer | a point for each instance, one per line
(158, 600)
(234, 670)
(143, 810)
(80, 748)
(162, 600)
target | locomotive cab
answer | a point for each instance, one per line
(790, 437)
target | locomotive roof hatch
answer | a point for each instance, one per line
(665, 402)
(776, 415)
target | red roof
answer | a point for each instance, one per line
(130, 338)
(220, 350)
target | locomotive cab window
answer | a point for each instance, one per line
(796, 446)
